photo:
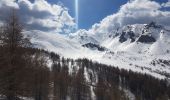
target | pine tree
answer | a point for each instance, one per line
(12, 56)
(81, 90)
(40, 78)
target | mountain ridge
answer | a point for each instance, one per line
(133, 47)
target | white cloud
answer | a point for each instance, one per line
(9, 3)
(40, 15)
(167, 4)
(67, 19)
(133, 12)
(140, 5)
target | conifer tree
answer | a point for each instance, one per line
(12, 56)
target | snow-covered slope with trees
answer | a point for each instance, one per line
(139, 47)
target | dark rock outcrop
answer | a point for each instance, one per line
(94, 46)
(146, 39)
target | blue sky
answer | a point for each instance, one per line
(97, 15)
(93, 11)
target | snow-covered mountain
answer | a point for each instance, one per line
(60, 44)
(140, 47)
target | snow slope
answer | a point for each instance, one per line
(140, 47)
(60, 44)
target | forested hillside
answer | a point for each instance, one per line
(67, 79)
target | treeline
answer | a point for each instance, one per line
(25, 74)
(143, 86)
(83, 79)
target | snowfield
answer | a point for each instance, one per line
(140, 47)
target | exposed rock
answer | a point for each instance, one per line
(94, 46)
(146, 39)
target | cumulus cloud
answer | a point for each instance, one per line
(8, 3)
(40, 15)
(133, 12)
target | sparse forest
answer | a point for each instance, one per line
(25, 74)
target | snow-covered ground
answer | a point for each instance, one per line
(146, 57)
